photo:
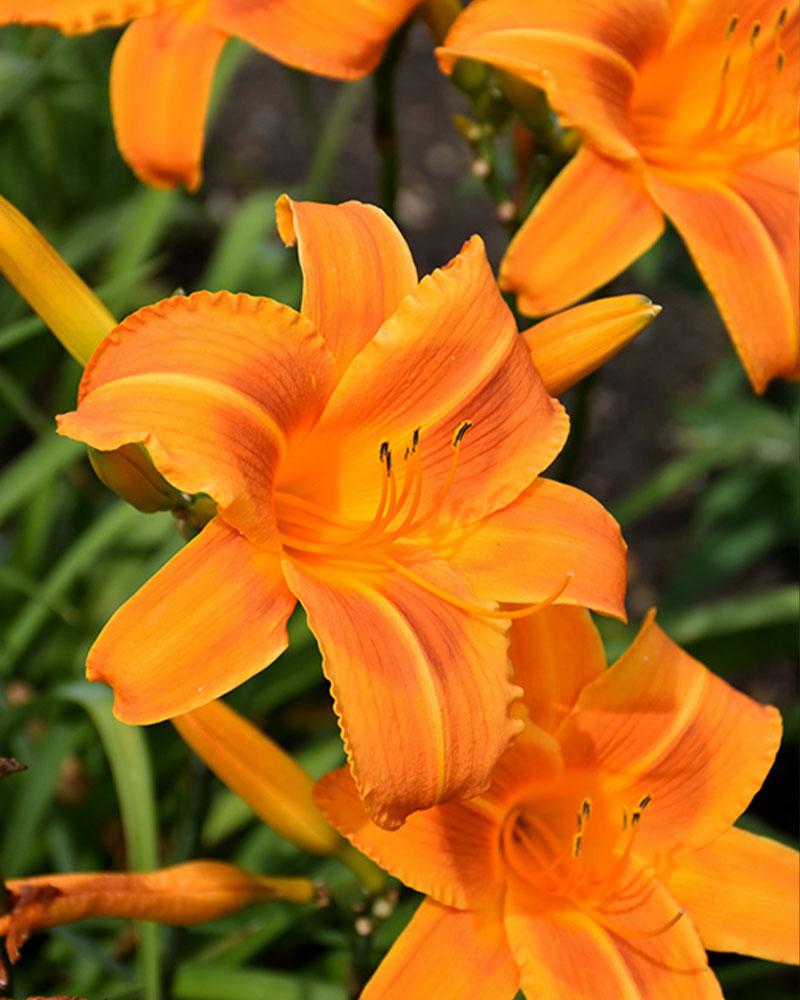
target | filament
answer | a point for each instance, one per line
(471, 607)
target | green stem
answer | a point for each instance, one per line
(333, 140)
(385, 122)
(303, 93)
(569, 462)
(439, 15)
(368, 873)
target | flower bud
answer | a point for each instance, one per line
(52, 289)
(185, 894)
(129, 473)
(570, 345)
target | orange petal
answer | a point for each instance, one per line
(631, 28)
(275, 787)
(593, 221)
(50, 286)
(659, 724)
(741, 892)
(182, 895)
(356, 269)
(580, 61)
(555, 654)
(730, 236)
(622, 952)
(211, 618)
(214, 385)
(550, 534)
(657, 942)
(254, 346)
(770, 187)
(160, 86)
(421, 687)
(569, 346)
(450, 353)
(563, 952)
(447, 954)
(342, 41)
(450, 852)
(202, 437)
(529, 770)
(76, 16)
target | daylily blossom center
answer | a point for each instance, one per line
(696, 107)
(580, 854)
(311, 529)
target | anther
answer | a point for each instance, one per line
(635, 817)
(461, 430)
(384, 450)
(780, 60)
(755, 32)
(388, 462)
(645, 802)
(586, 808)
(415, 439)
(577, 846)
(731, 26)
(781, 18)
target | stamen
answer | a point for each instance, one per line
(462, 429)
(755, 31)
(458, 437)
(410, 477)
(577, 846)
(469, 606)
(731, 27)
(411, 513)
(632, 932)
(782, 19)
(780, 60)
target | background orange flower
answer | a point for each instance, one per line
(593, 866)
(164, 65)
(687, 110)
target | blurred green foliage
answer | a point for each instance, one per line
(98, 795)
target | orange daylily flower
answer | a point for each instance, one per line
(687, 110)
(190, 893)
(376, 457)
(603, 860)
(164, 65)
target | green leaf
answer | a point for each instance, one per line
(737, 614)
(221, 982)
(129, 758)
(107, 529)
(231, 260)
(34, 798)
(28, 473)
